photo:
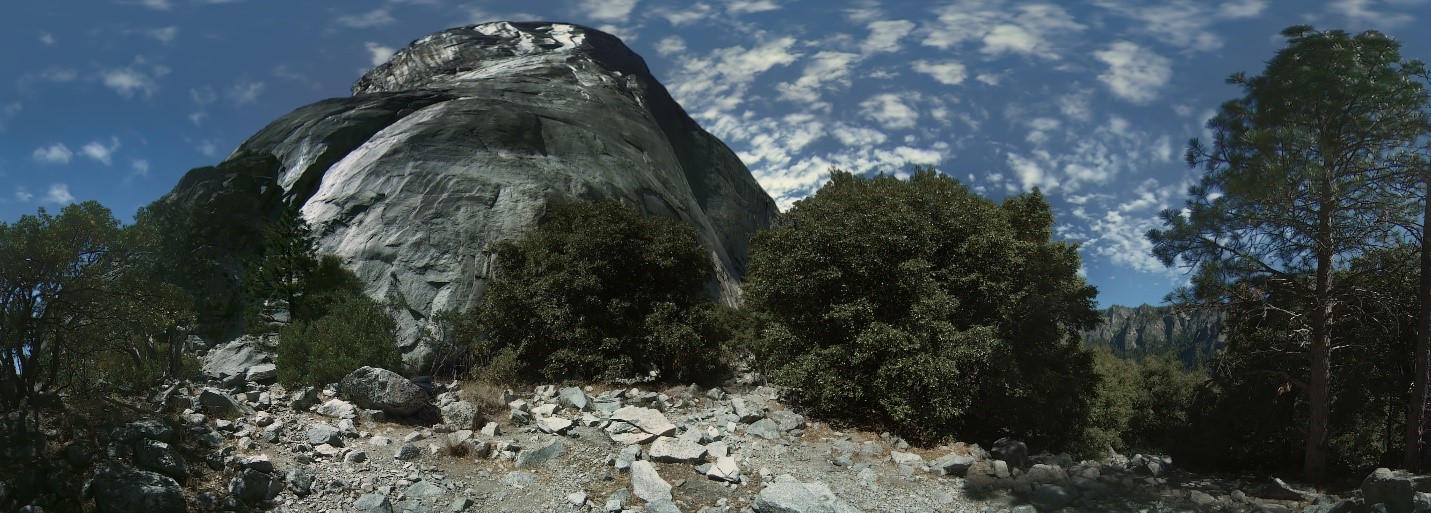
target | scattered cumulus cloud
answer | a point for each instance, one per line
(164, 35)
(377, 53)
(47, 38)
(370, 19)
(208, 148)
(885, 36)
(56, 153)
(890, 111)
(245, 91)
(101, 152)
(1134, 73)
(946, 72)
(720, 79)
(138, 77)
(59, 193)
(1242, 9)
(23, 195)
(826, 70)
(1033, 30)
(1366, 12)
(158, 5)
(140, 167)
(609, 10)
(750, 6)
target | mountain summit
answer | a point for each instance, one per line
(463, 138)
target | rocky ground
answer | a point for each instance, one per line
(379, 443)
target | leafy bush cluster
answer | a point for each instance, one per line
(918, 303)
(1137, 405)
(598, 291)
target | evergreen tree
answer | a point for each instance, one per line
(1301, 176)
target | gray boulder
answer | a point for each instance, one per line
(1396, 489)
(338, 409)
(1051, 497)
(953, 464)
(381, 389)
(574, 398)
(216, 402)
(489, 124)
(461, 415)
(539, 455)
(1011, 451)
(151, 429)
(324, 434)
(263, 373)
(125, 490)
(673, 450)
(373, 503)
(765, 428)
(251, 485)
(786, 495)
(239, 355)
(160, 457)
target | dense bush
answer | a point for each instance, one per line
(598, 292)
(356, 331)
(1138, 405)
(918, 303)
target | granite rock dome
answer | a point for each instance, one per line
(463, 138)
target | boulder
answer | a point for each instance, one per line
(1280, 490)
(263, 373)
(647, 484)
(616, 502)
(461, 415)
(160, 457)
(765, 428)
(747, 410)
(324, 434)
(338, 409)
(373, 503)
(406, 452)
(1396, 489)
(300, 480)
(673, 450)
(250, 485)
(1011, 451)
(553, 425)
(151, 429)
(953, 464)
(125, 490)
(786, 495)
(238, 356)
(1051, 497)
(423, 490)
(541, 454)
(216, 402)
(382, 389)
(574, 398)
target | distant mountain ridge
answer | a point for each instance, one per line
(1131, 332)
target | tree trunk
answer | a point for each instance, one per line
(1416, 407)
(1319, 358)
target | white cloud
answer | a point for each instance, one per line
(858, 136)
(947, 72)
(1242, 8)
(23, 195)
(208, 148)
(885, 36)
(56, 153)
(1120, 239)
(100, 152)
(1365, 12)
(55, 74)
(1035, 30)
(864, 11)
(47, 38)
(158, 5)
(718, 81)
(370, 19)
(1030, 174)
(749, 6)
(1134, 73)
(608, 10)
(890, 111)
(245, 91)
(59, 193)
(127, 81)
(139, 166)
(164, 35)
(826, 70)
(671, 45)
(378, 54)
(686, 15)
(988, 78)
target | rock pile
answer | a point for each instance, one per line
(574, 449)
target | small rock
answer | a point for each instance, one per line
(355, 457)
(576, 498)
(491, 429)
(553, 425)
(406, 452)
(724, 469)
(574, 398)
(423, 490)
(528, 458)
(765, 428)
(338, 408)
(460, 504)
(216, 402)
(746, 410)
(373, 503)
(324, 434)
(617, 500)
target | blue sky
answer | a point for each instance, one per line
(1092, 101)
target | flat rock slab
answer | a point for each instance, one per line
(787, 495)
(637, 425)
(541, 454)
(674, 450)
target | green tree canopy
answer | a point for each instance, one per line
(919, 303)
(599, 291)
(1304, 173)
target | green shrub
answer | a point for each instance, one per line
(597, 292)
(919, 304)
(357, 331)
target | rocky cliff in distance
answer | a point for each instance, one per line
(1192, 335)
(463, 138)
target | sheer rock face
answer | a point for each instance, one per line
(464, 137)
(1191, 335)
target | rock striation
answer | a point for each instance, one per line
(462, 139)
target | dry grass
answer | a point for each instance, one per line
(451, 448)
(487, 396)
